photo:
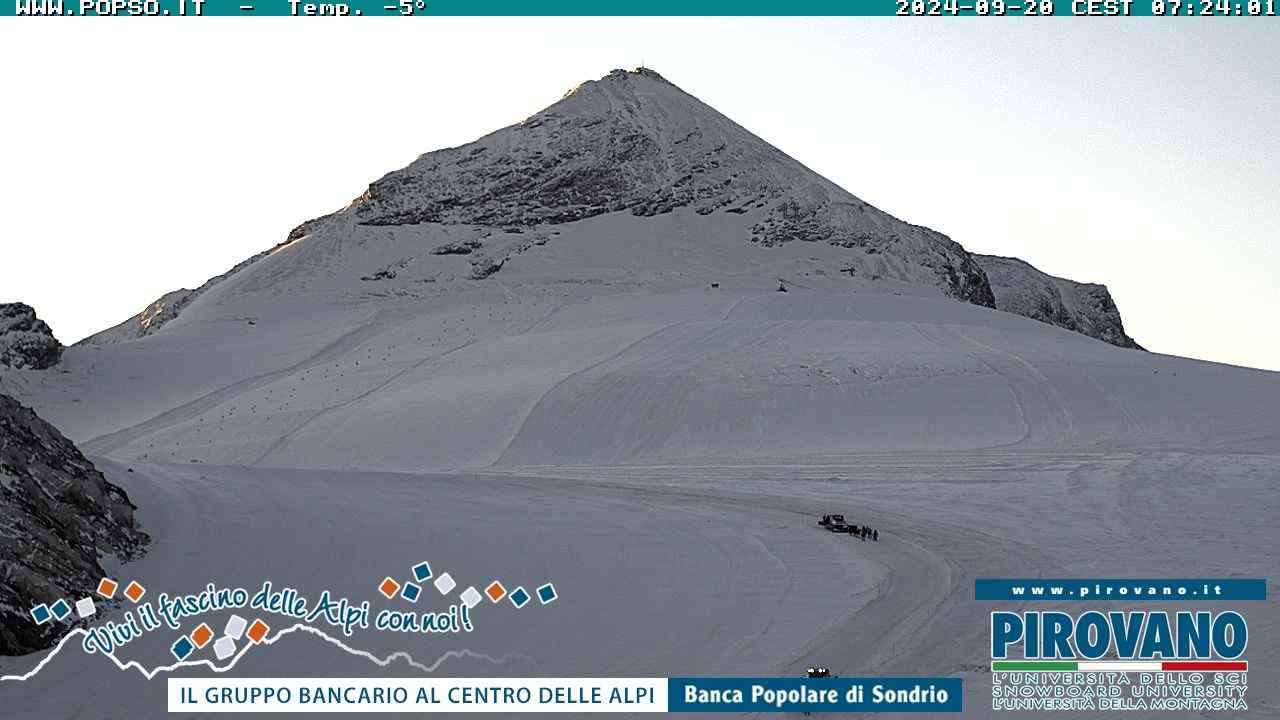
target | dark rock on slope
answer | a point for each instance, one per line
(26, 342)
(58, 516)
(1083, 307)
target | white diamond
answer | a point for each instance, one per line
(470, 597)
(224, 648)
(235, 627)
(445, 583)
(85, 607)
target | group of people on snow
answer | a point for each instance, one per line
(864, 532)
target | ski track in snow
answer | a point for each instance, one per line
(283, 441)
(118, 438)
(1013, 391)
(1068, 433)
(565, 381)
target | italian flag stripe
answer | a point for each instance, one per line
(1119, 665)
(1200, 665)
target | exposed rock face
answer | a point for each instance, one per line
(58, 515)
(152, 318)
(26, 342)
(1083, 307)
(633, 142)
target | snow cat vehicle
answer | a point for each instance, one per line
(835, 523)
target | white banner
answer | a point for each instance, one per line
(368, 695)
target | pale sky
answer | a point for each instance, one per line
(142, 156)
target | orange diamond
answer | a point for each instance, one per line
(135, 591)
(201, 635)
(495, 591)
(389, 588)
(107, 588)
(258, 630)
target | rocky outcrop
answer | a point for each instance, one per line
(151, 319)
(26, 342)
(58, 516)
(1083, 307)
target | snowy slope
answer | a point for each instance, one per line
(543, 373)
(607, 343)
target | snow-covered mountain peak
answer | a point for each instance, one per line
(634, 82)
(628, 181)
(634, 143)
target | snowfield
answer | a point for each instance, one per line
(296, 362)
(686, 569)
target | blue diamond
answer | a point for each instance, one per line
(519, 597)
(40, 614)
(411, 592)
(61, 609)
(422, 572)
(182, 648)
(547, 593)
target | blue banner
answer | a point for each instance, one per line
(1153, 589)
(773, 695)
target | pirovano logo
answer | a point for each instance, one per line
(1120, 660)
